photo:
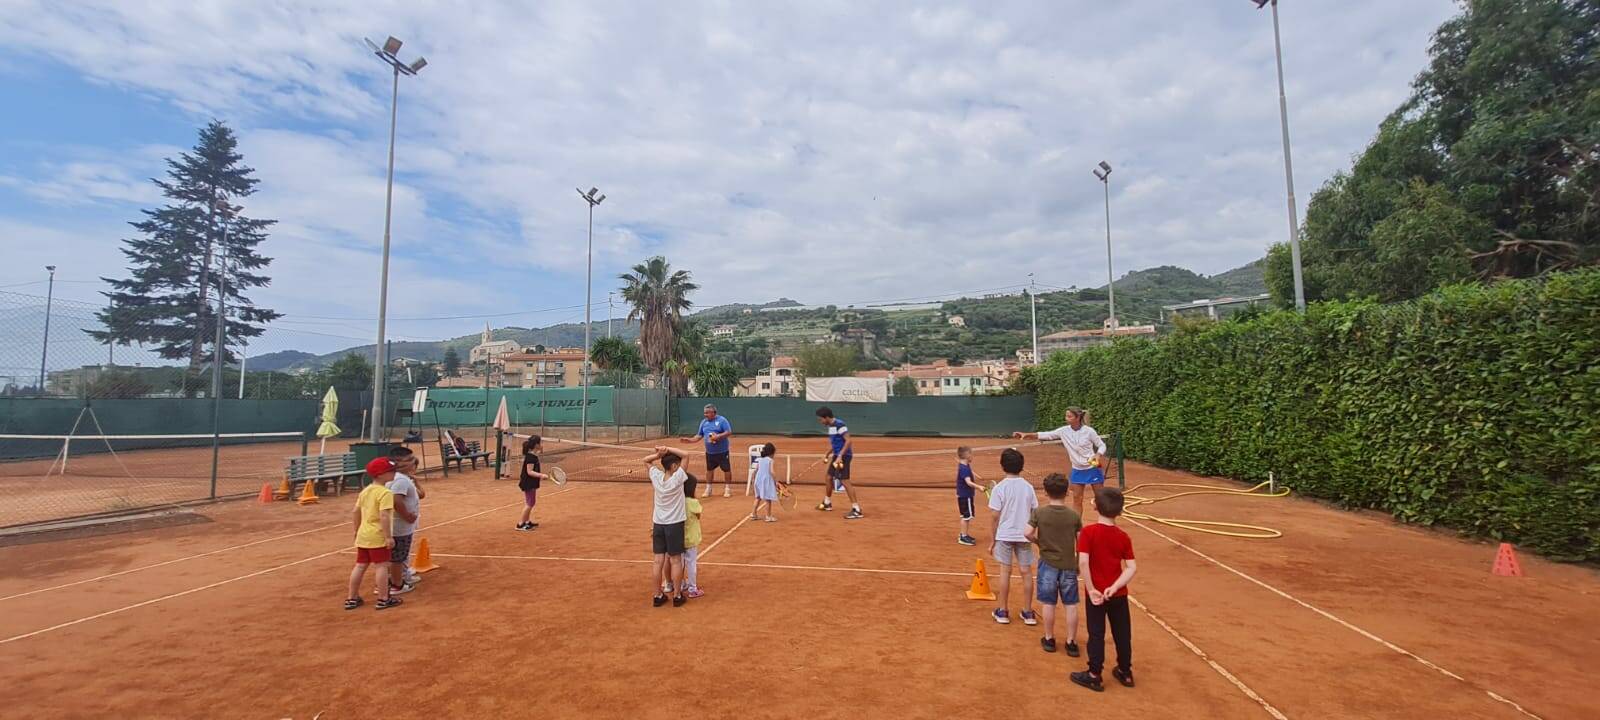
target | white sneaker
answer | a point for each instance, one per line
(727, 491)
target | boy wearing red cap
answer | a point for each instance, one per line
(373, 518)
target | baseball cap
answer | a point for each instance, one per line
(379, 466)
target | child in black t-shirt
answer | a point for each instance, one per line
(529, 484)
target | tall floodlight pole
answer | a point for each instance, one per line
(49, 299)
(1033, 312)
(387, 55)
(593, 198)
(1288, 163)
(218, 356)
(608, 315)
(1104, 174)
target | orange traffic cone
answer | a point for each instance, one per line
(424, 559)
(980, 585)
(284, 490)
(309, 494)
(266, 493)
(1505, 562)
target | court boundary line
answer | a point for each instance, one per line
(173, 561)
(1347, 625)
(1220, 670)
(724, 536)
(247, 576)
(1195, 649)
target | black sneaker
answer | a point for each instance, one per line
(1072, 648)
(854, 514)
(1123, 676)
(524, 527)
(678, 600)
(1048, 643)
(658, 600)
(533, 525)
(966, 540)
(1087, 680)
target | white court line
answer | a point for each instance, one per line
(725, 535)
(712, 564)
(1274, 712)
(1425, 662)
(220, 583)
(120, 573)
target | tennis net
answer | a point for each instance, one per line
(932, 465)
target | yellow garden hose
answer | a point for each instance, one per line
(1240, 530)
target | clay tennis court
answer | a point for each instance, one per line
(1347, 615)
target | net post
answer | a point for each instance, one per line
(499, 451)
(1122, 475)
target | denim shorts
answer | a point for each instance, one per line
(1054, 583)
(1003, 550)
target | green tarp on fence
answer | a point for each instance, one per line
(963, 416)
(470, 407)
(154, 416)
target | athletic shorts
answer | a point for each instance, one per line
(964, 505)
(1088, 476)
(402, 549)
(367, 556)
(716, 461)
(1004, 549)
(1056, 584)
(840, 473)
(666, 539)
(529, 497)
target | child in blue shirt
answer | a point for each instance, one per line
(966, 487)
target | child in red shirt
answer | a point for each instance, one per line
(1105, 558)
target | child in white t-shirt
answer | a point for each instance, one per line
(766, 484)
(1011, 502)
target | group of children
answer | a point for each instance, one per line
(385, 519)
(1102, 552)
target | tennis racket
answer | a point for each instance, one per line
(786, 497)
(558, 475)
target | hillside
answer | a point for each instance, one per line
(739, 308)
(994, 327)
(563, 335)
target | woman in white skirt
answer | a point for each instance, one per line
(766, 484)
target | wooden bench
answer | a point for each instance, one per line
(475, 452)
(322, 470)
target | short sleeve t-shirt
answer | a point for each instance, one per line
(670, 505)
(837, 431)
(963, 473)
(1107, 546)
(1015, 500)
(373, 500)
(1082, 444)
(691, 523)
(530, 461)
(711, 427)
(1058, 535)
(404, 490)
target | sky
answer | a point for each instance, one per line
(829, 152)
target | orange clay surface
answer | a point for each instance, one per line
(1347, 616)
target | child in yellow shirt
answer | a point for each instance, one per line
(373, 518)
(691, 539)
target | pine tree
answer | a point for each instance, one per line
(169, 300)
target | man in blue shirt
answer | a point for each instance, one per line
(838, 458)
(715, 431)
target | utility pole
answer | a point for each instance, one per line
(49, 299)
(1288, 167)
(1033, 308)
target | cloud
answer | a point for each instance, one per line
(817, 151)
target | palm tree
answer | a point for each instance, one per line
(688, 347)
(658, 296)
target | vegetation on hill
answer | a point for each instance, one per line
(1488, 170)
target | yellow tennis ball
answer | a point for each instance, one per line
(838, 464)
(1094, 461)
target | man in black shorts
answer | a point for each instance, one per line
(715, 430)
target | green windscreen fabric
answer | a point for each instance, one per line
(470, 407)
(962, 416)
(154, 416)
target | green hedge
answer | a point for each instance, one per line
(1475, 408)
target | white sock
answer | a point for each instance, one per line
(855, 507)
